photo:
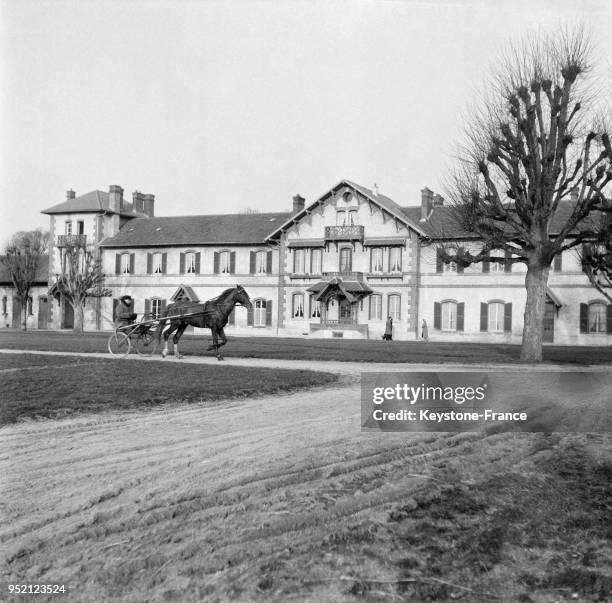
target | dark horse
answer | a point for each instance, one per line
(212, 314)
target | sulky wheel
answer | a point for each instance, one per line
(119, 344)
(146, 343)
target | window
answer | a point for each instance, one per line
(80, 227)
(375, 307)
(341, 218)
(298, 305)
(346, 259)
(261, 262)
(155, 308)
(224, 262)
(259, 313)
(299, 256)
(376, 259)
(125, 263)
(30, 306)
(496, 317)
(316, 261)
(394, 306)
(449, 316)
(395, 259)
(157, 266)
(352, 217)
(4, 305)
(68, 227)
(450, 267)
(190, 262)
(496, 265)
(315, 307)
(557, 264)
(597, 318)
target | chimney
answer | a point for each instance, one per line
(375, 189)
(138, 201)
(115, 198)
(70, 194)
(148, 204)
(298, 203)
(427, 201)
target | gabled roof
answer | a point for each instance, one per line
(42, 272)
(221, 229)
(381, 201)
(94, 201)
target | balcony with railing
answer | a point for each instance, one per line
(345, 275)
(72, 240)
(344, 233)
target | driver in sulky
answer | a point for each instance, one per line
(125, 314)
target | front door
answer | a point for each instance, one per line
(43, 312)
(68, 315)
(16, 313)
(549, 323)
(346, 311)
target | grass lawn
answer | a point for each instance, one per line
(36, 386)
(320, 349)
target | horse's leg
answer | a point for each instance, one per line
(176, 338)
(167, 332)
(223, 342)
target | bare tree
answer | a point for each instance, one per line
(533, 176)
(22, 258)
(81, 277)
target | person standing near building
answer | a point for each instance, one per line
(124, 314)
(388, 336)
(425, 332)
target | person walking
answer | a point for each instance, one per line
(424, 331)
(124, 315)
(388, 336)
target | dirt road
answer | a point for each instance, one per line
(233, 503)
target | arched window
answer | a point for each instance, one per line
(394, 306)
(315, 307)
(259, 313)
(298, 305)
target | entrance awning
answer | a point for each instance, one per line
(352, 290)
(553, 298)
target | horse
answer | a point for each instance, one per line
(212, 314)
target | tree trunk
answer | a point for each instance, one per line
(533, 327)
(78, 318)
(24, 310)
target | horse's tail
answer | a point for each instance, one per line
(161, 324)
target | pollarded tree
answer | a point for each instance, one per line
(81, 278)
(536, 169)
(22, 258)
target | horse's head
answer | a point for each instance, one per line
(242, 297)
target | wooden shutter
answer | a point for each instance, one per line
(233, 262)
(508, 318)
(149, 263)
(252, 257)
(250, 316)
(557, 263)
(164, 262)
(460, 266)
(197, 266)
(117, 264)
(438, 261)
(584, 318)
(508, 264)
(437, 315)
(147, 309)
(486, 266)
(609, 319)
(269, 262)
(132, 262)
(216, 263)
(182, 263)
(484, 316)
(269, 312)
(460, 316)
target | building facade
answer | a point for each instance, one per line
(339, 266)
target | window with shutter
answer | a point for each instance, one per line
(437, 321)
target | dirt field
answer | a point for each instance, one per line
(283, 498)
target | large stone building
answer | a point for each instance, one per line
(335, 267)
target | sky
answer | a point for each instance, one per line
(223, 106)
